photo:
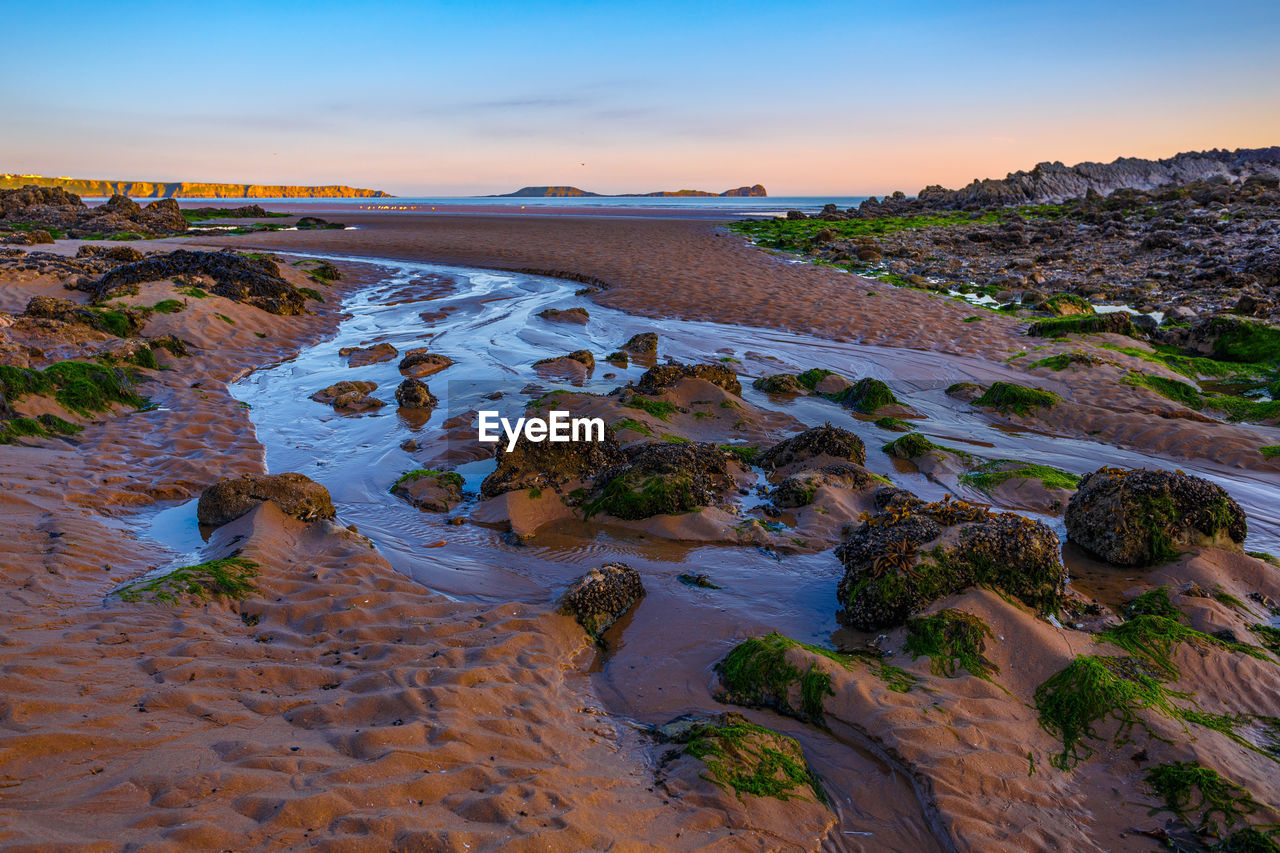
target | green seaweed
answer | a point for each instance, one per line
(1270, 451)
(893, 424)
(1007, 397)
(811, 377)
(1154, 638)
(745, 453)
(169, 306)
(867, 395)
(311, 293)
(989, 475)
(449, 477)
(230, 577)
(633, 425)
(660, 409)
(1153, 602)
(660, 494)
(1268, 636)
(952, 640)
(1179, 392)
(1200, 797)
(737, 759)
(914, 444)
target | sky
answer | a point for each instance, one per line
(449, 98)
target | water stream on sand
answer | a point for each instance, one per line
(659, 662)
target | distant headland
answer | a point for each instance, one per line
(183, 189)
(756, 191)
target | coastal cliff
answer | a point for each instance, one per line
(756, 191)
(183, 189)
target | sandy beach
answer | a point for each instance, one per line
(373, 694)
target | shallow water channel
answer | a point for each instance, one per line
(659, 662)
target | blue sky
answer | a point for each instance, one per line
(454, 98)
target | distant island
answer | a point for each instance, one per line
(182, 189)
(756, 191)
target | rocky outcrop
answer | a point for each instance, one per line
(421, 362)
(644, 343)
(823, 441)
(1139, 518)
(546, 464)
(657, 379)
(912, 554)
(659, 478)
(602, 596)
(252, 280)
(414, 394)
(182, 189)
(349, 396)
(64, 211)
(121, 322)
(295, 494)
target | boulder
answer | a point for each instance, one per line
(582, 356)
(645, 343)
(602, 596)
(866, 396)
(568, 315)
(433, 491)
(820, 441)
(120, 322)
(661, 478)
(658, 379)
(363, 356)
(349, 396)
(252, 280)
(295, 494)
(912, 554)
(1138, 518)
(546, 464)
(779, 383)
(414, 394)
(421, 362)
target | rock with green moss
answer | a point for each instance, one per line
(1115, 323)
(894, 424)
(550, 464)
(644, 343)
(1010, 398)
(779, 383)
(1139, 518)
(1066, 305)
(799, 489)
(818, 442)
(122, 322)
(745, 759)
(433, 491)
(582, 356)
(658, 379)
(914, 445)
(910, 555)
(602, 596)
(867, 396)
(661, 478)
(228, 578)
(295, 494)
(252, 279)
(1236, 339)
(567, 315)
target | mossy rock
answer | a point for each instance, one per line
(820, 441)
(909, 556)
(433, 491)
(548, 464)
(799, 489)
(1235, 339)
(1138, 518)
(1116, 323)
(867, 396)
(914, 445)
(779, 383)
(894, 424)
(1066, 305)
(661, 478)
(658, 379)
(582, 356)
(567, 315)
(644, 343)
(1011, 398)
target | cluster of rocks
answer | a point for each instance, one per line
(252, 279)
(1205, 246)
(53, 209)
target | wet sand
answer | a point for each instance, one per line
(361, 710)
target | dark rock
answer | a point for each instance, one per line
(295, 495)
(252, 280)
(582, 356)
(568, 315)
(1138, 518)
(421, 362)
(432, 491)
(913, 554)
(645, 343)
(363, 356)
(414, 394)
(829, 441)
(658, 379)
(546, 464)
(349, 396)
(779, 383)
(602, 596)
(661, 478)
(123, 322)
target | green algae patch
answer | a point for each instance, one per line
(1094, 690)
(78, 386)
(1153, 602)
(750, 759)
(811, 377)
(1088, 324)
(1068, 304)
(1011, 398)
(914, 444)
(45, 426)
(660, 409)
(319, 271)
(633, 425)
(744, 453)
(1268, 636)
(1063, 360)
(990, 475)
(952, 640)
(895, 424)
(230, 578)
(697, 579)
(1239, 340)
(1270, 451)
(660, 494)
(1179, 392)
(867, 396)
(168, 306)
(1200, 797)
(1154, 639)
(446, 477)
